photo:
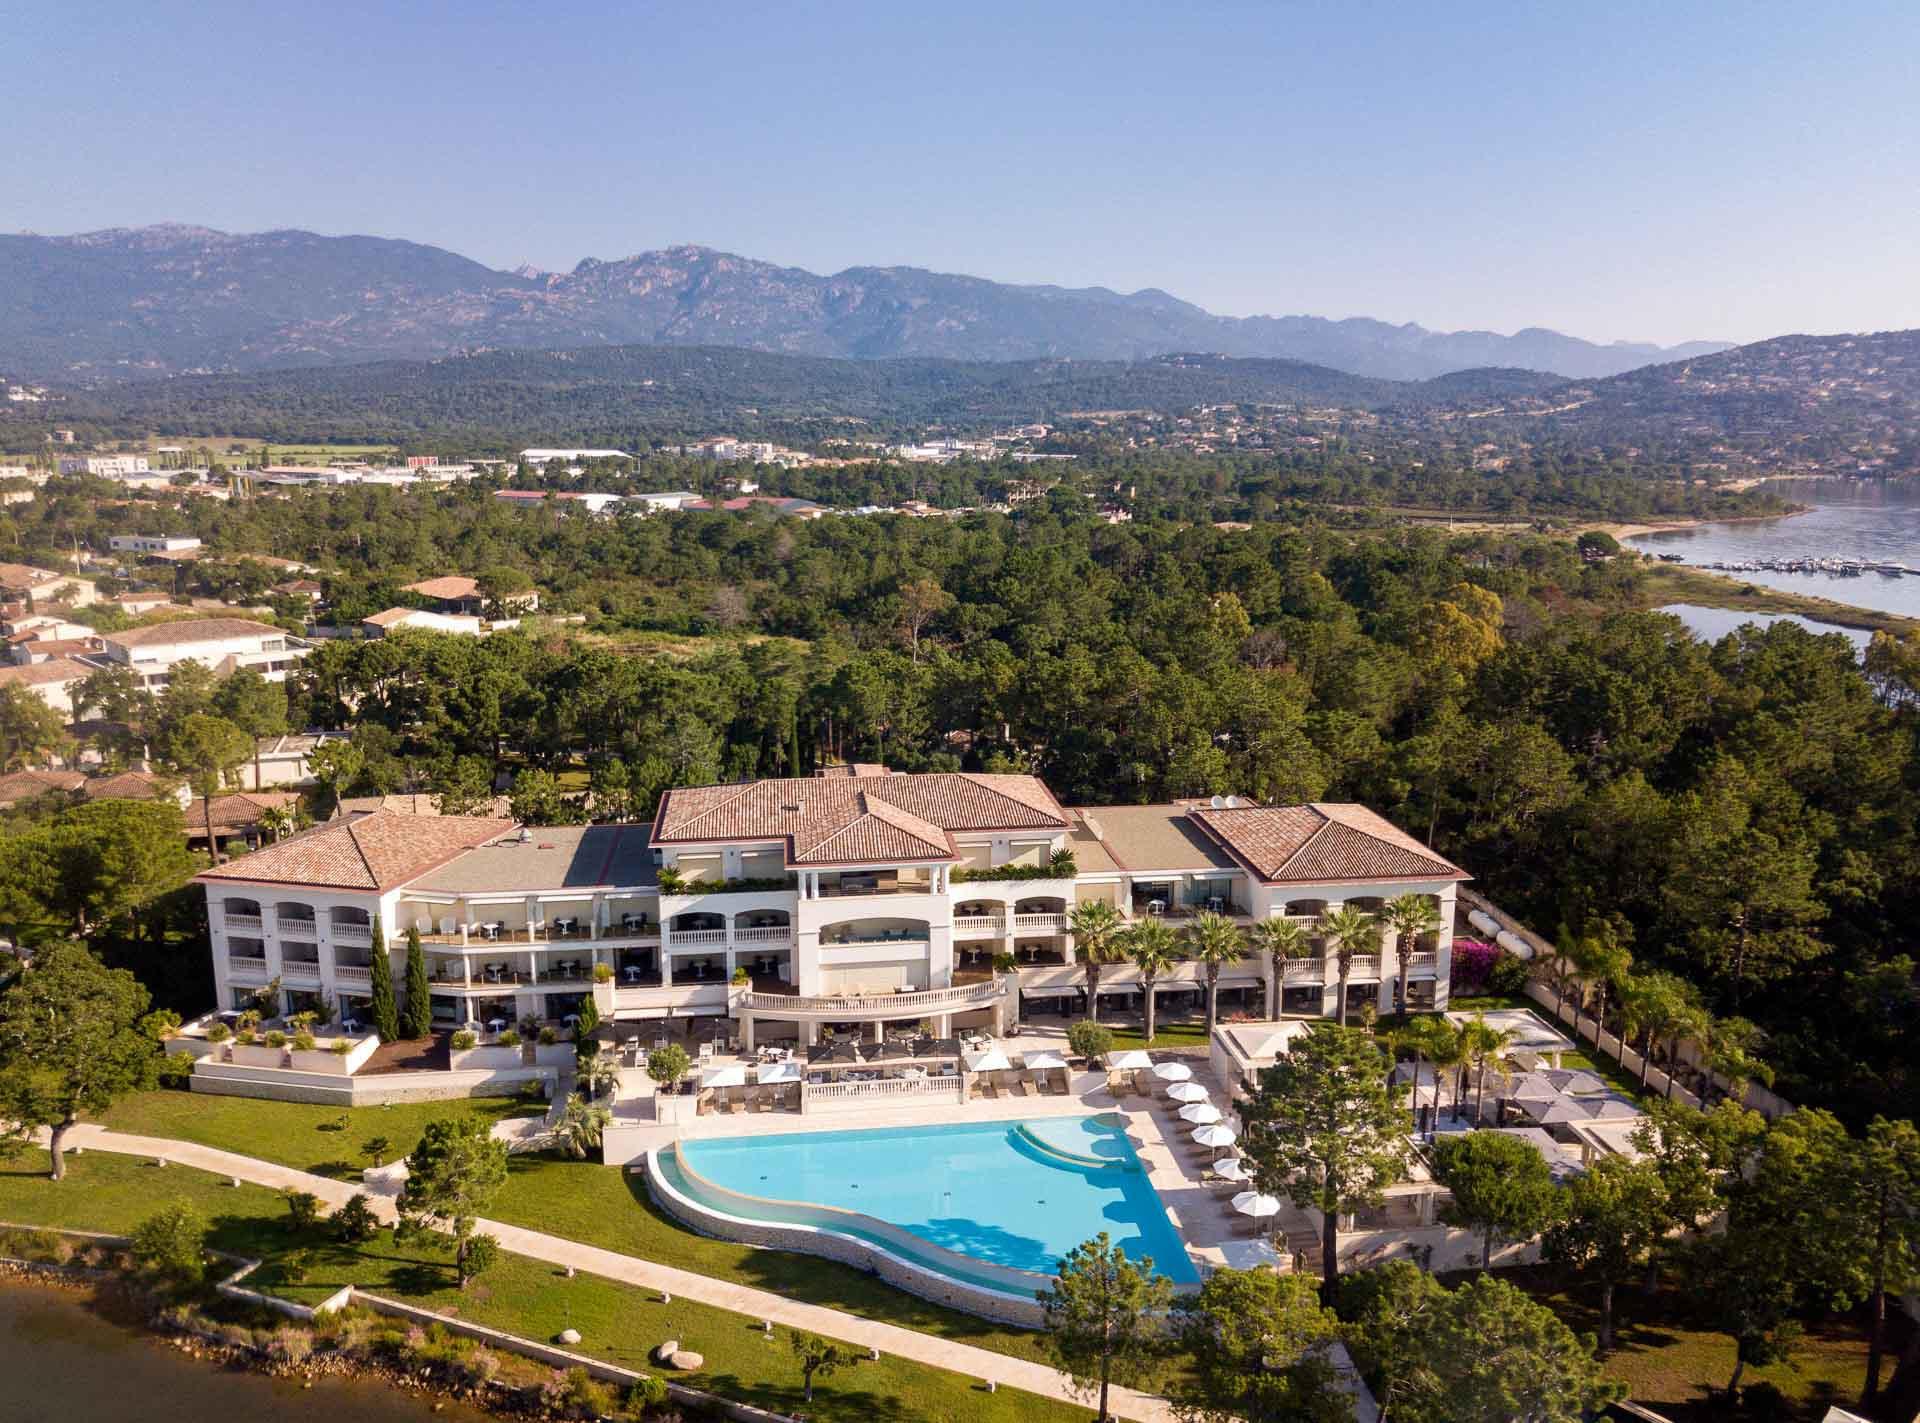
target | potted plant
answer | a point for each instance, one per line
(741, 978)
(603, 973)
(462, 1040)
(304, 1041)
(341, 1047)
(670, 880)
(507, 1039)
(1004, 962)
(548, 1037)
(276, 1039)
(219, 1033)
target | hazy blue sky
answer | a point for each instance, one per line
(1658, 171)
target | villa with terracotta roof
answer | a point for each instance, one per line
(854, 897)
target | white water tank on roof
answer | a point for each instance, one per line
(1483, 921)
(1514, 944)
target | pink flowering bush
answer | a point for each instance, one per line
(1473, 961)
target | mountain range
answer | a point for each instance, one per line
(139, 303)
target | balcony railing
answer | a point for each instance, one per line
(860, 889)
(1304, 971)
(699, 938)
(904, 1004)
(1039, 923)
(246, 964)
(357, 934)
(349, 975)
(1362, 966)
(978, 926)
(767, 934)
(904, 938)
(1422, 965)
(294, 926)
(244, 924)
(300, 970)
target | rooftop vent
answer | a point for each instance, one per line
(525, 835)
(793, 807)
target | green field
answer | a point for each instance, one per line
(619, 1323)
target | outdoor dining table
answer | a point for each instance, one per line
(570, 1020)
(568, 925)
(631, 973)
(496, 1025)
(491, 929)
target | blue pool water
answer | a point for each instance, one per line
(988, 1190)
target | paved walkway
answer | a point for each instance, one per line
(929, 1349)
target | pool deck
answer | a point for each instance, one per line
(1203, 1215)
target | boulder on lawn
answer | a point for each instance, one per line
(568, 1336)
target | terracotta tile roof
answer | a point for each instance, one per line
(238, 812)
(391, 617)
(24, 575)
(40, 674)
(128, 785)
(372, 852)
(857, 818)
(188, 630)
(1322, 841)
(450, 586)
(25, 785)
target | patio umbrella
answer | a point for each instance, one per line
(1574, 1083)
(1133, 1060)
(1532, 1087)
(1201, 1114)
(1233, 1169)
(732, 1075)
(1217, 1134)
(1187, 1092)
(1173, 1072)
(1255, 1204)
(1044, 1061)
(779, 1072)
(992, 1060)
(1608, 1109)
(831, 1054)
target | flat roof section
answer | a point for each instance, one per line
(1154, 837)
(555, 858)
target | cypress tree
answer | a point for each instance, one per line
(418, 1021)
(385, 1014)
(589, 1020)
(793, 747)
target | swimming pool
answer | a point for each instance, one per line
(1017, 1195)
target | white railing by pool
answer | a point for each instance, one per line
(772, 934)
(360, 934)
(244, 924)
(352, 975)
(1033, 923)
(698, 938)
(901, 1003)
(883, 1089)
(245, 963)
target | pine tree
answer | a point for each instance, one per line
(418, 1021)
(793, 747)
(385, 1013)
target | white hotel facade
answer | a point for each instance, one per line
(856, 897)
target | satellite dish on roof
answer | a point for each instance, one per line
(1233, 802)
(1218, 802)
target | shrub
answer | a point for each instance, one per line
(289, 1344)
(508, 1039)
(1508, 974)
(548, 1037)
(244, 1037)
(304, 1041)
(669, 1064)
(276, 1038)
(646, 1396)
(46, 1246)
(355, 1221)
(603, 973)
(175, 1069)
(740, 976)
(462, 1040)
(1472, 962)
(577, 1394)
(303, 1211)
(219, 1033)
(1005, 963)
(483, 1253)
(341, 1047)
(161, 1024)
(171, 1245)
(1089, 1039)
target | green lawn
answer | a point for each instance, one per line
(1668, 1362)
(597, 1205)
(324, 1140)
(1166, 1035)
(618, 1323)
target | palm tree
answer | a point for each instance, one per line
(1095, 925)
(1604, 963)
(1429, 1037)
(581, 1127)
(1728, 1047)
(1350, 931)
(1281, 940)
(1487, 1050)
(1563, 971)
(1409, 916)
(1151, 946)
(1213, 942)
(278, 822)
(598, 1075)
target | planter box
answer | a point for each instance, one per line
(337, 1064)
(487, 1059)
(258, 1055)
(560, 1055)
